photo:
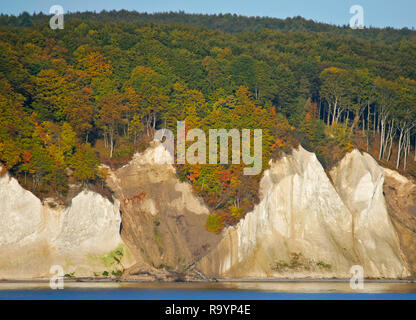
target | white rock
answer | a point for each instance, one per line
(300, 212)
(35, 236)
(359, 181)
(20, 212)
(91, 224)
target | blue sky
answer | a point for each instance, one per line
(377, 13)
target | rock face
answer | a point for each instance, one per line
(307, 224)
(302, 227)
(163, 221)
(401, 201)
(20, 212)
(35, 236)
(90, 224)
(359, 181)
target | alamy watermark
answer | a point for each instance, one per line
(57, 280)
(197, 151)
(357, 279)
(357, 20)
(57, 20)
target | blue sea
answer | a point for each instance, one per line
(317, 290)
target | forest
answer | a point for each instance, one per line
(95, 92)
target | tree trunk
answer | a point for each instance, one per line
(391, 136)
(406, 150)
(335, 110)
(111, 134)
(399, 151)
(329, 114)
(381, 151)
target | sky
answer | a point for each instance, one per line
(377, 13)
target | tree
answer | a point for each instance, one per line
(110, 118)
(80, 112)
(135, 128)
(334, 91)
(84, 163)
(361, 94)
(152, 88)
(50, 95)
(387, 99)
(406, 117)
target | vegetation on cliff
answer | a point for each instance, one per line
(96, 91)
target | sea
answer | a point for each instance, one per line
(221, 290)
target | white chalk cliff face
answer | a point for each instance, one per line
(302, 227)
(35, 236)
(359, 181)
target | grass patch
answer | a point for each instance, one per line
(70, 275)
(298, 263)
(114, 257)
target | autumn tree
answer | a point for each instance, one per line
(84, 163)
(110, 118)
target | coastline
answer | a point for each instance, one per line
(223, 280)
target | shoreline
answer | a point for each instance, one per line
(223, 280)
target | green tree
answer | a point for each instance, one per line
(84, 163)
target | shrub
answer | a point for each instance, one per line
(236, 212)
(214, 223)
(114, 257)
(70, 275)
(117, 273)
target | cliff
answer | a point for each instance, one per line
(359, 181)
(306, 227)
(35, 235)
(400, 195)
(307, 224)
(163, 221)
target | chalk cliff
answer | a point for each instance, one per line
(307, 224)
(306, 227)
(359, 181)
(35, 235)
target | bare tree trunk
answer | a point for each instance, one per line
(329, 114)
(399, 151)
(111, 134)
(381, 151)
(335, 110)
(391, 136)
(406, 150)
(340, 112)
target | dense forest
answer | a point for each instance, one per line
(96, 91)
(229, 23)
